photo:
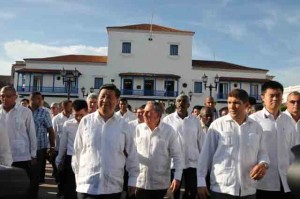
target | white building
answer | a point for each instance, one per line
(146, 62)
(288, 90)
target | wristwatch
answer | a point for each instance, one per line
(266, 165)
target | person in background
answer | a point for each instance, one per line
(191, 138)
(132, 126)
(156, 143)
(293, 109)
(124, 113)
(223, 111)
(196, 110)
(64, 157)
(280, 138)
(206, 118)
(44, 132)
(24, 102)
(103, 146)
(54, 109)
(234, 152)
(92, 102)
(21, 132)
(210, 102)
(58, 122)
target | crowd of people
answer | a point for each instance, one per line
(240, 151)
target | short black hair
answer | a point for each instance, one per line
(80, 104)
(271, 85)
(111, 87)
(24, 100)
(239, 94)
(34, 94)
(65, 102)
(252, 100)
(123, 99)
(198, 107)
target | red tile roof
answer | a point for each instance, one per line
(146, 27)
(45, 71)
(242, 79)
(222, 65)
(73, 58)
(149, 75)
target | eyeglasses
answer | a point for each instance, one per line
(294, 101)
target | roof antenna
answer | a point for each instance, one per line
(151, 23)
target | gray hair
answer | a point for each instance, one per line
(92, 96)
(54, 104)
(296, 93)
(157, 107)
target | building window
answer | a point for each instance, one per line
(197, 87)
(126, 47)
(254, 91)
(173, 50)
(98, 82)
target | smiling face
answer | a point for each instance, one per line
(151, 117)
(92, 105)
(107, 101)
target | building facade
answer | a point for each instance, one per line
(147, 62)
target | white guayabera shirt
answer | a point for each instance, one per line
(101, 150)
(21, 132)
(66, 146)
(191, 137)
(281, 136)
(155, 150)
(230, 151)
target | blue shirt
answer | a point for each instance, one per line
(42, 121)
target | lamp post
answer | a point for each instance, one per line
(69, 78)
(87, 93)
(204, 80)
(190, 95)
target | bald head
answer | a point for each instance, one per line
(210, 102)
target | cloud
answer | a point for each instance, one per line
(19, 49)
(7, 15)
(288, 77)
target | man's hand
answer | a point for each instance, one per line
(33, 161)
(131, 191)
(203, 192)
(258, 171)
(175, 185)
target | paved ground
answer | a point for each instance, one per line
(48, 189)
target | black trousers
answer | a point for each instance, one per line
(103, 196)
(216, 195)
(41, 158)
(70, 183)
(189, 176)
(150, 194)
(32, 173)
(261, 194)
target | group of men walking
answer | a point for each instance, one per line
(234, 156)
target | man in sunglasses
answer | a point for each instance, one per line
(293, 109)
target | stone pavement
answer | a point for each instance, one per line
(48, 189)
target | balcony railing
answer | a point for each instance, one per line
(149, 93)
(45, 89)
(225, 96)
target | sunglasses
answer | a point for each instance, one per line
(294, 101)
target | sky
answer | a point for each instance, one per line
(254, 33)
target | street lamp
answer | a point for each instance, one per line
(190, 95)
(87, 93)
(204, 80)
(69, 78)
